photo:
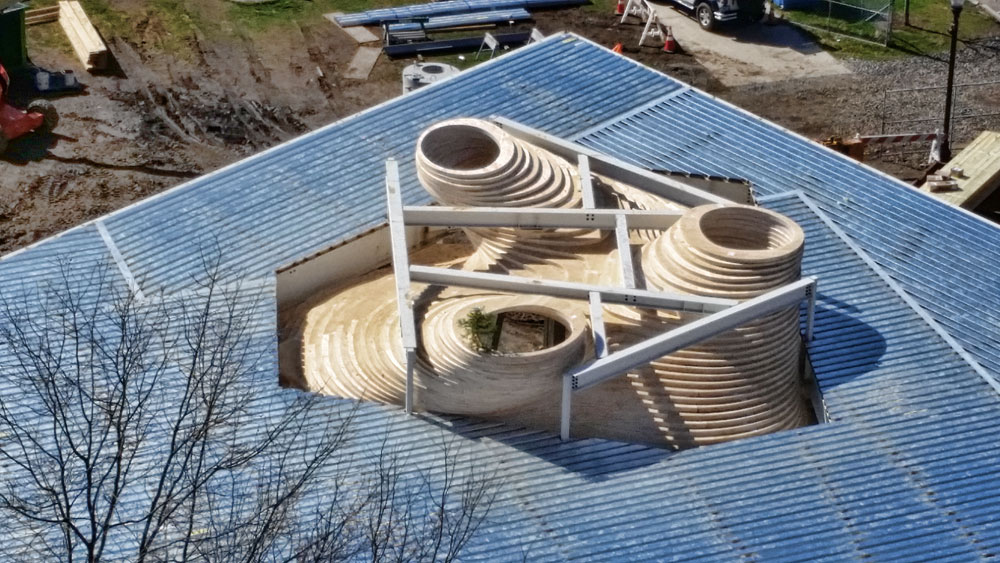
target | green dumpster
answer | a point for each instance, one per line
(13, 48)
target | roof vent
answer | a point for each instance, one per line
(419, 75)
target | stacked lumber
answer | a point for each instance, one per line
(41, 15)
(89, 47)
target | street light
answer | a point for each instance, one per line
(956, 10)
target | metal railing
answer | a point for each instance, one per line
(928, 109)
(863, 20)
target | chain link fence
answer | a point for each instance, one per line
(864, 20)
(921, 110)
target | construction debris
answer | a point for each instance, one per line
(972, 176)
(444, 46)
(86, 41)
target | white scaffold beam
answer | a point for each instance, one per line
(644, 352)
(624, 252)
(600, 351)
(570, 290)
(401, 270)
(811, 313)
(614, 168)
(537, 217)
(597, 325)
(586, 182)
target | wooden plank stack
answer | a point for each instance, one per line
(41, 15)
(87, 43)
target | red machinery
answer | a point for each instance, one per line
(40, 116)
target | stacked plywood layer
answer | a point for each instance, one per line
(87, 43)
(41, 15)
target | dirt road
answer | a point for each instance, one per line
(744, 54)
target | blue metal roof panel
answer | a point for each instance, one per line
(459, 20)
(388, 15)
(906, 470)
(317, 190)
(942, 257)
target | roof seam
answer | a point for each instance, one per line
(898, 289)
(116, 255)
(629, 113)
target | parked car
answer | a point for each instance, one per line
(710, 13)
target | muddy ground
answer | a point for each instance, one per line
(164, 116)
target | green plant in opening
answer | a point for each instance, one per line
(479, 329)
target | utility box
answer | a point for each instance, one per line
(13, 45)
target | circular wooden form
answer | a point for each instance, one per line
(744, 382)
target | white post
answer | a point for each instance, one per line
(624, 252)
(597, 325)
(411, 362)
(567, 403)
(811, 315)
(401, 271)
(586, 183)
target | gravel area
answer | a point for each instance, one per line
(847, 105)
(978, 63)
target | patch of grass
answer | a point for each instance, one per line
(601, 6)
(109, 21)
(928, 32)
(460, 61)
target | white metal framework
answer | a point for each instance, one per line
(721, 314)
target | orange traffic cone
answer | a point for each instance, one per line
(669, 43)
(617, 48)
(620, 8)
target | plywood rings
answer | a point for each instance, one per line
(473, 163)
(456, 379)
(743, 382)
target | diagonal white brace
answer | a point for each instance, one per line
(614, 168)
(570, 290)
(644, 352)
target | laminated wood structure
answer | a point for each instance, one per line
(86, 41)
(711, 345)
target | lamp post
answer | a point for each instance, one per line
(956, 10)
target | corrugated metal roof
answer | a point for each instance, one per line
(303, 196)
(458, 20)
(907, 469)
(387, 15)
(944, 258)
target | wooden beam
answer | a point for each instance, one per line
(41, 15)
(86, 41)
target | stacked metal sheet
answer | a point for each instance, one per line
(433, 9)
(460, 20)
